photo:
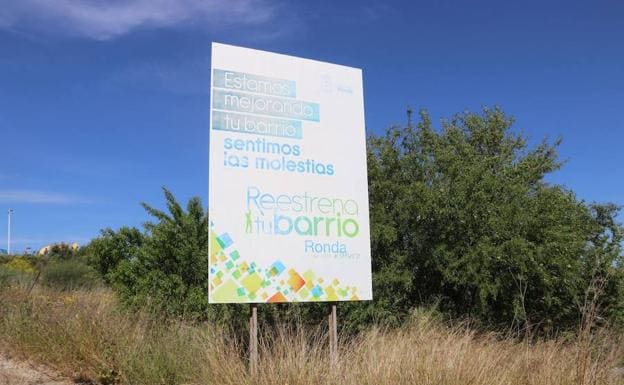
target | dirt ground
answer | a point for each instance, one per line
(13, 372)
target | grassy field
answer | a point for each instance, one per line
(84, 335)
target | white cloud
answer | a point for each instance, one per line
(108, 19)
(29, 196)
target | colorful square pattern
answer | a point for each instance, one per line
(237, 280)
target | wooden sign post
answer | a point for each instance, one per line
(333, 334)
(253, 339)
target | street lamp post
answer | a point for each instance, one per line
(9, 232)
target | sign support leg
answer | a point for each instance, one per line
(253, 339)
(333, 334)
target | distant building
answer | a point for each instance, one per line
(44, 250)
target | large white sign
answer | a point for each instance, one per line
(288, 196)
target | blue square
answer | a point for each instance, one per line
(278, 266)
(316, 291)
(224, 240)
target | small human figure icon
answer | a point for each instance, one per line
(248, 222)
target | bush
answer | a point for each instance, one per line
(19, 265)
(464, 216)
(16, 270)
(168, 271)
(105, 252)
(6, 276)
(70, 274)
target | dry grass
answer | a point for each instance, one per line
(85, 336)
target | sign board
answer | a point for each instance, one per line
(288, 192)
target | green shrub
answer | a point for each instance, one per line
(70, 274)
(16, 271)
(20, 265)
(168, 271)
(465, 216)
(6, 276)
(105, 252)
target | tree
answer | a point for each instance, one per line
(105, 252)
(169, 271)
(464, 218)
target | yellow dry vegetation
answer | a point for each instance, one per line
(85, 335)
(19, 265)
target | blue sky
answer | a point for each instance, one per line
(103, 102)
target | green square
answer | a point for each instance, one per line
(252, 296)
(236, 274)
(304, 293)
(234, 255)
(229, 265)
(219, 274)
(252, 282)
(240, 291)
